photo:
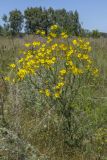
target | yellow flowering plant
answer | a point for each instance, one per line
(57, 66)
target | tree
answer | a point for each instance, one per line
(51, 16)
(61, 17)
(38, 18)
(95, 34)
(76, 24)
(6, 23)
(42, 18)
(32, 19)
(69, 21)
(47, 19)
(16, 20)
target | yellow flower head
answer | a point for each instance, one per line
(57, 95)
(42, 33)
(62, 72)
(21, 73)
(74, 42)
(47, 92)
(38, 31)
(54, 27)
(64, 35)
(36, 43)
(95, 72)
(12, 65)
(53, 35)
(27, 44)
(7, 78)
(59, 85)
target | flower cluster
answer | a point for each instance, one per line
(52, 61)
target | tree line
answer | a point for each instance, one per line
(35, 18)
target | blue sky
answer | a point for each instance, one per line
(93, 13)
